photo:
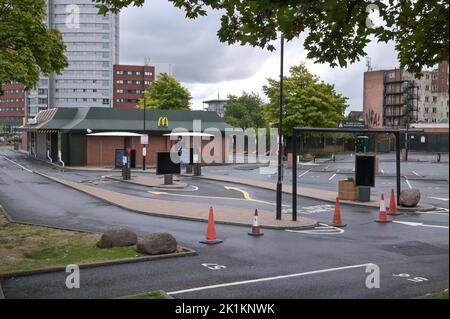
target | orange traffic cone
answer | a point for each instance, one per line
(256, 229)
(211, 237)
(392, 206)
(337, 221)
(383, 218)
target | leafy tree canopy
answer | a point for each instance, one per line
(308, 101)
(166, 93)
(27, 46)
(245, 111)
(337, 32)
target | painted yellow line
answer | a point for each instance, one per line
(245, 194)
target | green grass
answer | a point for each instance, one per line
(441, 295)
(148, 295)
(26, 247)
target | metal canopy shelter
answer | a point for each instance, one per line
(296, 132)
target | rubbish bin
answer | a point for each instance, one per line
(16, 146)
(197, 169)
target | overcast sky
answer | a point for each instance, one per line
(161, 33)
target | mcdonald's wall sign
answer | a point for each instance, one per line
(163, 121)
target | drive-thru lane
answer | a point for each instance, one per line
(396, 248)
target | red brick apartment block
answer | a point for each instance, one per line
(130, 82)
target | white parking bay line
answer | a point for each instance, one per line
(333, 176)
(439, 198)
(407, 182)
(304, 173)
(246, 282)
(415, 173)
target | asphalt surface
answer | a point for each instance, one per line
(418, 252)
(431, 178)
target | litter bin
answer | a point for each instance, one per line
(16, 146)
(197, 169)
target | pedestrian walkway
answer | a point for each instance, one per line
(189, 211)
(314, 193)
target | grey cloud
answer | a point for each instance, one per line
(162, 33)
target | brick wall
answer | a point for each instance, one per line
(101, 150)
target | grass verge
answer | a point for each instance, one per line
(441, 295)
(27, 247)
(149, 295)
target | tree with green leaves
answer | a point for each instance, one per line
(28, 47)
(336, 32)
(245, 111)
(166, 93)
(309, 102)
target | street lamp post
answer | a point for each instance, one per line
(280, 135)
(144, 149)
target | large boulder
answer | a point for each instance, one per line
(156, 244)
(409, 197)
(307, 157)
(117, 237)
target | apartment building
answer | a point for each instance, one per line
(396, 98)
(130, 82)
(92, 49)
(12, 107)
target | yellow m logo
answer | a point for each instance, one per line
(163, 121)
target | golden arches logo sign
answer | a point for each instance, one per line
(163, 121)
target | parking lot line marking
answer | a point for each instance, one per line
(22, 167)
(246, 282)
(415, 173)
(439, 198)
(305, 173)
(407, 182)
(333, 176)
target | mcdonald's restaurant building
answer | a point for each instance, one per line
(73, 136)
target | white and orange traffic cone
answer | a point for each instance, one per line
(392, 205)
(256, 229)
(337, 221)
(383, 218)
(211, 237)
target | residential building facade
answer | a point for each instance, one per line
(12, 107)
(217, 106)
(130, 82)
(92, 42)
(396, 98)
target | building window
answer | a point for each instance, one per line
(427, 87)
(105, 101)
(427, 98)
(434, 110)
(434, 98)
